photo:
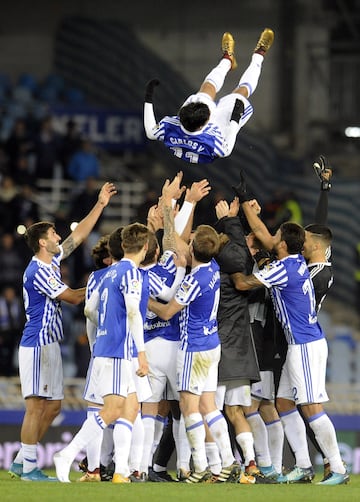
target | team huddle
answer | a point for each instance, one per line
(181, 325)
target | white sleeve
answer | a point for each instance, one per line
(135, 321)
(168, 293)
(183, 216)
(149, 120)
(91, 308)
(91, 333)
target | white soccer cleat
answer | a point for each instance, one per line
(62, 466)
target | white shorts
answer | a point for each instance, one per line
(197, 372)
(265, 389)
(92, 386)
(221, 112)
(142, 384)
(112, 376)
(303, 374)
(233, 393)
(41, 372)
(161, 355)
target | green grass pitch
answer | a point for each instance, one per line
(15, 490)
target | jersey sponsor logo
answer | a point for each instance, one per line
(53, 283)
(135, 285)
(183, 290)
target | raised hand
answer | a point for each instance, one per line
(197, 191)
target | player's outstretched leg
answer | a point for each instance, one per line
(62, 466)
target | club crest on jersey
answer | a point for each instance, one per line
(53, 283)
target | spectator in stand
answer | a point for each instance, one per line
(8, 192)
(283, 207)
(47, 149)
(19, 144)
(84, 163)
(11, 324)
(23, 171)
(12, 263)
(70, 144)
(25, 207)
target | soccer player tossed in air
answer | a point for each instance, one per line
(205, 130)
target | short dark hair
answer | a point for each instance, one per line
(294, 236)
(36, 232)
(100, 251)
(114, 244)
(194, 115)
(151, 252)
(206, 243)
(321, 232)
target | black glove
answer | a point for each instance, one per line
(238, 111)
(150, 86)
(240, 189)
(320, 165)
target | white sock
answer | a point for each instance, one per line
(326, 437)
(137, 444)
(295, 433)
(19, 457)
(91, 428)
(107, 445)
(195, 431)
(94, 447)
(246, 442)
(122, 442)
(219, 430)
(260, 436)
(149, 430)
(29, 457)
(158, 432)
(183, 452)
(250, 77)
(217, 75)
(213, 456)
(275, 432)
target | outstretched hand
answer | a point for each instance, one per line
(222, 209)
(241, 190)
(323, 171)
(150, 87)
(106, 192)
(197, 191)
(172, 189)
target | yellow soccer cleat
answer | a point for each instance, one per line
(228, 48)
(265, 42)
(119, 478)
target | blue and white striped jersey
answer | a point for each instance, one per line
(200, 147)
(94, 281)
(113, 337)
(42, 285)
(293, 296)
(200, 293)
(165, 271)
